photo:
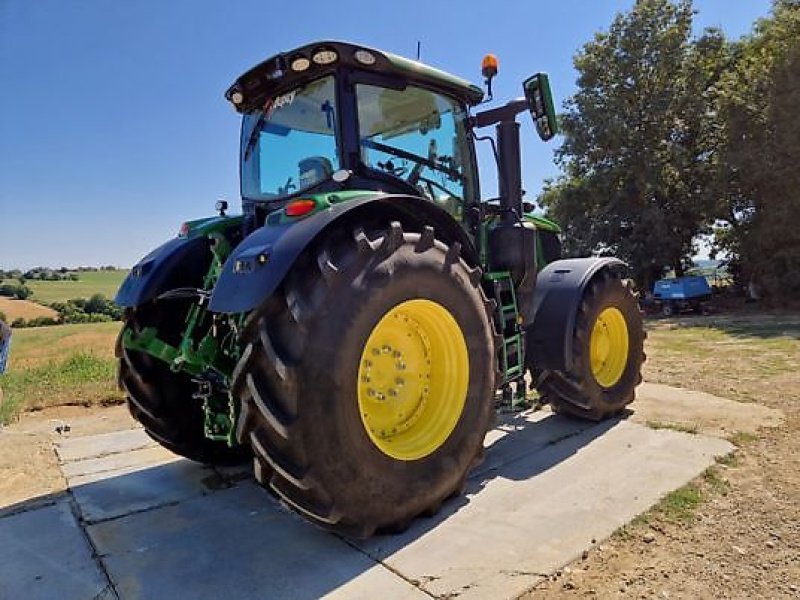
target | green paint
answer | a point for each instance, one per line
(472, 92)
(323, 201)
(209, 225)
(512, 357)
(542, 223)
(210, 360)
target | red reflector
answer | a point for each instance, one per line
(298, 208)
(184, 230)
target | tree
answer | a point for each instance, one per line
(639, 141)
(759, 179)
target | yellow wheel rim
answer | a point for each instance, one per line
(609, 347)
(413, 379)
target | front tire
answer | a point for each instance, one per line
(608, 352)
(162, 400)
(367, 381)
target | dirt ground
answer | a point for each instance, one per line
(742, 540)
(15, 309)
(29, 473)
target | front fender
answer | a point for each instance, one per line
(559, 289)
(157, 271)
(259, 264)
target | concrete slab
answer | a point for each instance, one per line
(528, 517)
(167, 527)
(44, 556)
(111, 464)
(105, 495)
(237, 543)
(93, 446)
(704, 412)
(519, 434)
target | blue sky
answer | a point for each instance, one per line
(113, 128)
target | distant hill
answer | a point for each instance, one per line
(104, 282)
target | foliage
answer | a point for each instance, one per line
(668, 137)
(97, 309)
(3, 317)
(758, 180)
(638, 141)
(79, 310)
(15, 290)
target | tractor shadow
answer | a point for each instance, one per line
(521, 447)
(179, 529)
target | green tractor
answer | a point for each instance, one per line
(350, 329)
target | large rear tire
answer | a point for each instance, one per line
(608, 352)
(162, 400)
(366, 383)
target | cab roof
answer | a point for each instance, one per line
(280, 73)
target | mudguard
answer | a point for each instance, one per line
(257, 266)
(559, 289)
(155, 273)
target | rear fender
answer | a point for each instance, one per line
(259, 264)
(559, 289)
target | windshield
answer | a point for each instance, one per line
(418, 136)
(290, 145)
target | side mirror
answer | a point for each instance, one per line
(540, 103)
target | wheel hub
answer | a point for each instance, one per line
(609, 347)
(413, 378)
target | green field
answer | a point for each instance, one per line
(91, 282)
(63, 364)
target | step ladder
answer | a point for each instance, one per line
(512, 354)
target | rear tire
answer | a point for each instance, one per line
(602, 381)
(301, 381)
(162, 400)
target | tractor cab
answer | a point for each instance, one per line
(334, 116)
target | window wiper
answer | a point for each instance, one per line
(399, 153)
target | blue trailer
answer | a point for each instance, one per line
(682, 294)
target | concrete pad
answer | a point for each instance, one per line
(106, 495)
(707, 413)
(237, 543)
(525, 519)
(44, 555)
(519, 434)
(112, 464)
(93, 446)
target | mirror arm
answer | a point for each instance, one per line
(500, 114)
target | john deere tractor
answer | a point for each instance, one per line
(351, 329)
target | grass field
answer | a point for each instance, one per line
(91, 282)
(741, 357)
(16, 309)
(63, 364)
